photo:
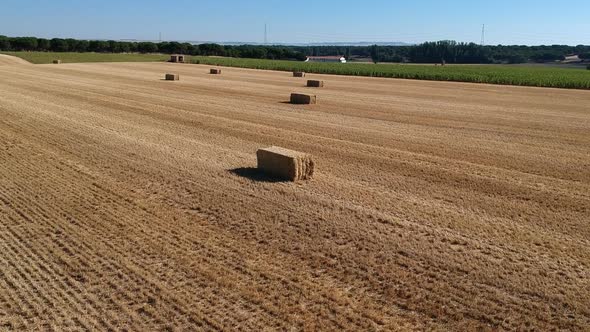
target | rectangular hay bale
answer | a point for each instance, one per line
(315, 84)
(299, 98)
(215, 71)
(286, 164)
(298, 74)
(57, 62)
(172, 77)
(177, 58)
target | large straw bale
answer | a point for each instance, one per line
(315, 84)
(172, 77)
(57, 62)
(286, 164)
(215, 71)
(298, 74)
(298, 98)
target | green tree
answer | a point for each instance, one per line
(212, 49)
(59, 45)
(4, 43)
(375, 53)
(43, 44)
(24, 43)
(125, 47)
(114, 46)
(146, 47)
(81, 46)
(99, 46)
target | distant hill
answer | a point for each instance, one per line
(235, 43)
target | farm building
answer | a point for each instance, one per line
(177, 58)
(336, 58)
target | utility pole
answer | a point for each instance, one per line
(160, 37)
(483, 35)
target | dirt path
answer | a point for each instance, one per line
(130, 202)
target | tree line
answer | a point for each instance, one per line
(471, 53)
(429, 52)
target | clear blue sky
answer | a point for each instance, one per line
(302, 21)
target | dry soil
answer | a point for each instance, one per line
(130, 202)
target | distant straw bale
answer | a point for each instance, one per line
(298, 98)
(215, 71)
(298, 74)
(178, 58)
(315, 84)
(172, 77)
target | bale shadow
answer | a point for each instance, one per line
(290, 103)
(254, 174)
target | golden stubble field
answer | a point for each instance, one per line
(129, 202)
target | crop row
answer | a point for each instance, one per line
(492, 74)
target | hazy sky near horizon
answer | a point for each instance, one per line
(303, 21)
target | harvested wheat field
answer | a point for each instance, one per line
(127, 202)
(11, 60)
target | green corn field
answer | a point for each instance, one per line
(492, 74)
